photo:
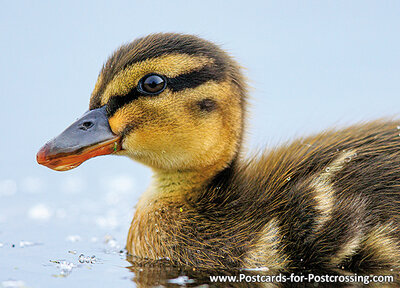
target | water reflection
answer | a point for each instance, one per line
(163, 274)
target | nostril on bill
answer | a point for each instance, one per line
(86, 125)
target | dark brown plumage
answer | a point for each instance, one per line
(328, 202)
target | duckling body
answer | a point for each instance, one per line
(177, 103)
(314, 203)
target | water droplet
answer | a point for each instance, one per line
(13, 284)
(65, 267)
(327, 169)
(81, 258)
(23, 244)
(288, 178)
(87, 259)
(73, 238)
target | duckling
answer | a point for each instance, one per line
(177, 103)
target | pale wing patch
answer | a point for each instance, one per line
(382, 246)
(171, 66)
(323, 188)
(266, 250)
(348, 249)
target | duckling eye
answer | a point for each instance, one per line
(152, 84)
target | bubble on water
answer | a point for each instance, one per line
(39, 212)
(87, 259)
(181, 280)
(73, 238)
(81, 258)
(32, 185)
(347, 159)
(327, 169)
(288, 178)
(111, 242)
(23, 244)
(8, 187)
(13, 284)
(108, 221)
(65, 267)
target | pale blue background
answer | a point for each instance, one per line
(311, 65)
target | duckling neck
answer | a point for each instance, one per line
(180, 185)
(165, 206)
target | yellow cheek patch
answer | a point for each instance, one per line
(123, 117)
(171, 66)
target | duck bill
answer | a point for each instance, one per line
(88, 137)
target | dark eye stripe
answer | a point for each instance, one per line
(117, 102)
(194, 79)
(189, 80)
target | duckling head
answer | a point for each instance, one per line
(173, 102)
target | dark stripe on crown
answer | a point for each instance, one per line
(154, 46)
(185, 81)
(195, 78)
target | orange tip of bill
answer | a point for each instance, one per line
(70, 160)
